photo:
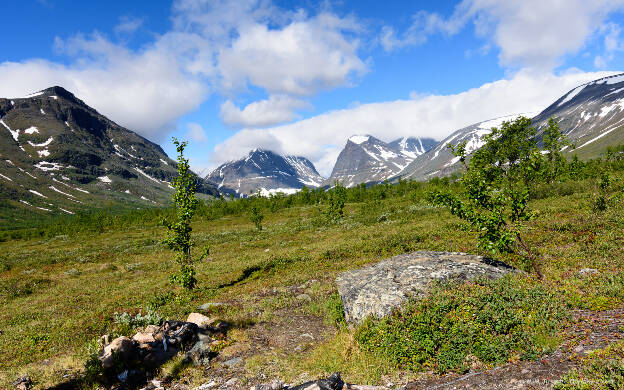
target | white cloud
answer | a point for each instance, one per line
(276, 109)
(611, 32)
(321, 138)
(300, 59)
(128, 25)
(529, 33)
(212, 47)
(196, 132)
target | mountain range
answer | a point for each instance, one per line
(58, 155)
(590, 115)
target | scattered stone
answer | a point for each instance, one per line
(578, 349)
(233, 362)
(380, 288)
(588, 271)
(334, 382)
(308, 335)
(200, 354)
(143, 337)
(275, 385)
(151, 329)
(200, 320)
(178, 333)
(22, 383)
(266, 250)
(230, 383)
(304, 297)
(207, 386)
(122, 347)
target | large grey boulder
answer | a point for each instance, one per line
(380, 288)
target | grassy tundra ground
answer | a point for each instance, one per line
(60, 293)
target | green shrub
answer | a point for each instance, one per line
(179, 232)
(256, 217)
(128, 323)
(492, 321)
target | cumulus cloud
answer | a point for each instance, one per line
(321, 138)
(276, 109)
(196, 132)
(612, 44)
(212, 47)
(300, 59)
(529, 33)
(145, 91)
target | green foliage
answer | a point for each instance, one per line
(179, 232)
(335, 310)
(603, 369)
(138, 320)
(256, 217)
(337, 197)
(93, 366)
(490, 321)
(495, 188)
(601, 199)
(554, 142)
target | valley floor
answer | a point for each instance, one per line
(276, 288)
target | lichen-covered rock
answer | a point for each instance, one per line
(200, 320)
(380, 288)
(122, 347)
(200, 354)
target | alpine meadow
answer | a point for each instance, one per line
(240, 195)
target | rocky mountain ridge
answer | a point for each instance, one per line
(265, 172)
(57, 154)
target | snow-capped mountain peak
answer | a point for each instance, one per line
(267, 172)
(359, 139)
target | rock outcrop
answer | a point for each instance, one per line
(380, 288)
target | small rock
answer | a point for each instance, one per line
(334, 382)
(200, 320)
(266, 250)
(588, 271)
(578, 349)
(200, 354)
(143, 338)
(207, 386)
(232, 362)
(151, 329)
(304, 297)
(308, 335)
(124, 347)
(230, 383)
(275, 385)
(22, 383)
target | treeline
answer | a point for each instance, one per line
(572, 175)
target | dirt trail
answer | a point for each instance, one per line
(590, 330)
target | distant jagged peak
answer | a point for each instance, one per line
(359, 139)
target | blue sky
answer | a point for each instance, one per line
(300, 77)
